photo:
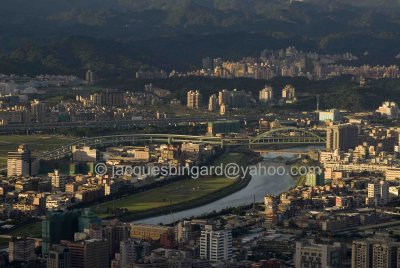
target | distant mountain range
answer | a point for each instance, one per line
(135, 19)
(70, 35)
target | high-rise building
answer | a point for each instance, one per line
(91, 253)
(318, 70)
(114, 233)
(289, 94)
(341, 137)
(223, 109)
(207, 63)
(234, 99)
(218, 63)
(314, 178)
(361, 255)
(270, 210)
(332, 115)
(213, 103)
(194, 99)
(21, 163)
(375, 252)
(112, 98)
(183, 231)
(38, 111)
(58, 181)
(266, 94)
(263, 72)
(90, 77)
(133, 250)
(215, 245)
(21, 250)
(317, 255)
(239, 98)
(224, 97)
(378, 193)
(240, 69)
(58, 226)
(58, 257)
(95, 99)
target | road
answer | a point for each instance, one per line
(370, 227)
(32, 127)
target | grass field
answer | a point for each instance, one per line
(33, 229)
(171, 194)
(37, 143)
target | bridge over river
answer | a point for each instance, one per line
(280, 136)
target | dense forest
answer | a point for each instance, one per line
(117, 37)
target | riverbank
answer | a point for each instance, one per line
(213, 196)
(181, 195)
(304, 161)
(259, 186)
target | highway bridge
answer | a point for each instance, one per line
(280, 136)
(279, 152)
(122, 124)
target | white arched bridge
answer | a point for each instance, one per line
(279, 136)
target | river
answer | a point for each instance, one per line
(258, 187)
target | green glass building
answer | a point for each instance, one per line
(59, 226)
(315, 179)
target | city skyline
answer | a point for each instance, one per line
(199, 134)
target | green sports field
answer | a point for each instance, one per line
(171, 194)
